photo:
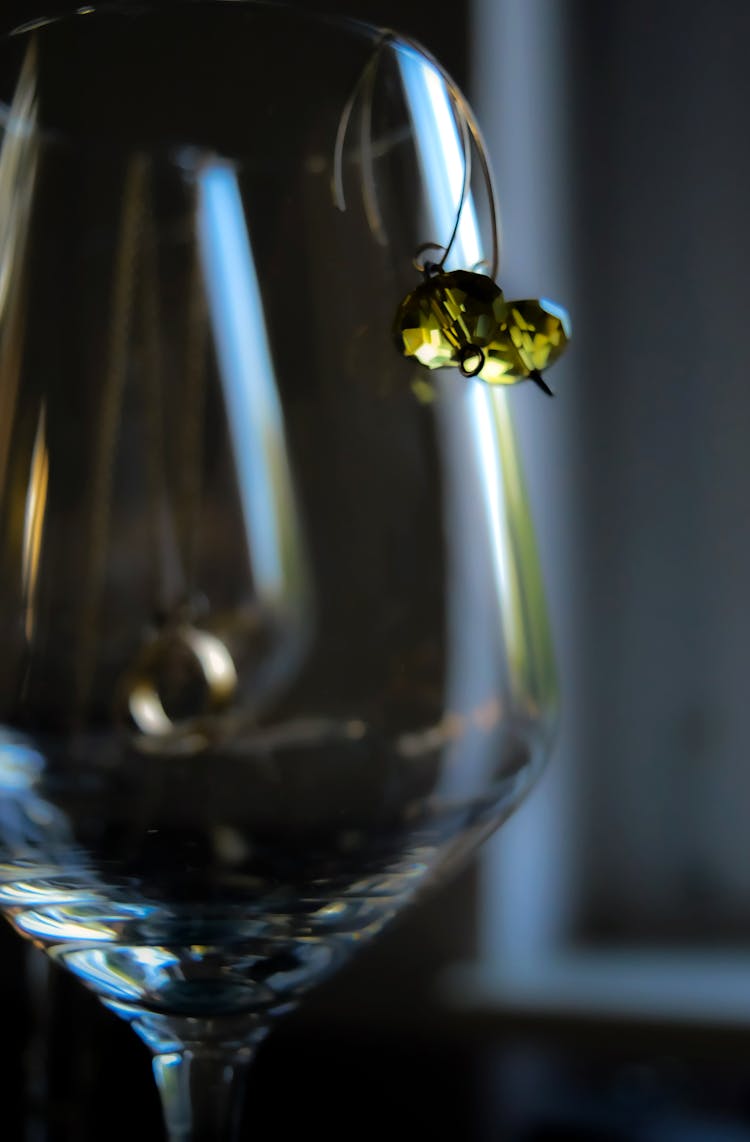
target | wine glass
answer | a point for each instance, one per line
(275, 645)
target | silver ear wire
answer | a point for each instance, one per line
(369, 190)
(470, 134)
(364, 86)
(466, 183)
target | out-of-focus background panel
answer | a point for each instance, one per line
(666, 272)
(618, 136)
(617, 133)
(522, 84)
(616, 929)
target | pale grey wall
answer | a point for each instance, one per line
(648, 455)
(667, 266)
(521, 83)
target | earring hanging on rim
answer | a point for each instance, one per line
(459, 318)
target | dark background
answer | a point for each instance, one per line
(442, 28)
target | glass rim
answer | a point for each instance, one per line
(175, 149)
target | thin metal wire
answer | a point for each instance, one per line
(369, 188)
(151, 378)
(470, 132)
(466, 184)
(175, 582)
(113, 386)
(191, 463)
(136, 265)
(337, 180)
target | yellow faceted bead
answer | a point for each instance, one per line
(540, 331)
(460, 318)
(533, 336)
(502, 363)
(449, 319)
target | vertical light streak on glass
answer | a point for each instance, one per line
(528, 899)
(33, 524)
(443, 167)
(531, 641)
(500, 484)
(18, 167)
(476, 508)
(254, 411)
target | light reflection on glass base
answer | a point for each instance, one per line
(184, 923)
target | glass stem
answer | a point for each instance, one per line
(202, 1091)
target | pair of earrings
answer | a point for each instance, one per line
(459, 318)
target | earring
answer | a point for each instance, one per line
(460, 318)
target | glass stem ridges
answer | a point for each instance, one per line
(201, 1092)
(454, 318)
(201, 1079)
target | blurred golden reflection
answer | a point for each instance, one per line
(18, 167)
(33, 524)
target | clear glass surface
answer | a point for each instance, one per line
(275, 650)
